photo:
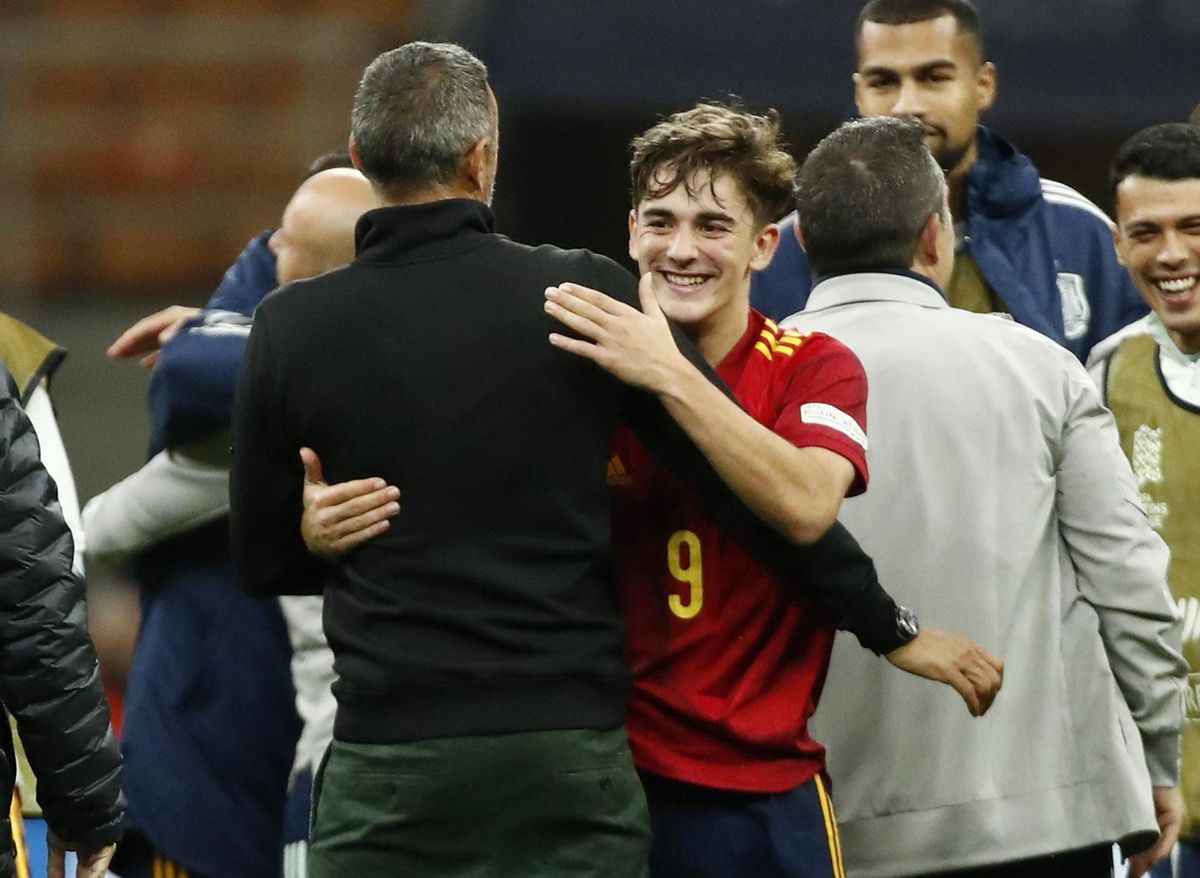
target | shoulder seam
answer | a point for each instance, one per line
(1062, 194)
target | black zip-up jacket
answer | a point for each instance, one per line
(489, 604)
(49, 681)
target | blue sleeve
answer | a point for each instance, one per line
(250, 278)
(781, 289)
(191, 389)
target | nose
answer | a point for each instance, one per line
(1174, 250)
(683, 246)
(908, 101)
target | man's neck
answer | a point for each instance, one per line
(1188, 344)
(719, 336)
(956, 181)
(424, 195)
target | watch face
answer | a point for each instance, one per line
(906, 622)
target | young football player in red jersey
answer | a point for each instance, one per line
(728, 660)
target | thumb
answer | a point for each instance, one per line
(312, 466)
(646, 295)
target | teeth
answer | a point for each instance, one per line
(684, 280)
(1178, 285)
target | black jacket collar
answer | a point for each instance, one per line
(414, 233)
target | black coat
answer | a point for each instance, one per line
(49, 680)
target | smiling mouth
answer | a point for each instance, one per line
(683, 280)
(1176, 289)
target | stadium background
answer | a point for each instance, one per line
(144, 141)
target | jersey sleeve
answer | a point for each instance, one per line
(824, 402)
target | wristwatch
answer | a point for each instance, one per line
(907, 627)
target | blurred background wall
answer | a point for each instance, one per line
(142, 142)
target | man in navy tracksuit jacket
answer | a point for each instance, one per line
(1029, 246)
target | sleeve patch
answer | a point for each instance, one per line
(824, 415)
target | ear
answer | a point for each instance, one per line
(633, 247)
(799, 232)
(858, 87)
(475, 167)
(985, 86)
(764, 247)
(927, 244)
(355, 156)
(1118, 242)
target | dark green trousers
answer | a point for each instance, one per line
(558, 804)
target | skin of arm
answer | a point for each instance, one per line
(797, 491)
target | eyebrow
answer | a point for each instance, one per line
(927, 67)
(703, 216)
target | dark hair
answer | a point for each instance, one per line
(865, 193)
(913, 11)
(718, 139)
(418, 109)
(1170, 151)
(338, 158)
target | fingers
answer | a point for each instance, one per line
(964, 687)
(646, 294)
(342, 503)
(56, 857)
(313, 471)
(146, 335)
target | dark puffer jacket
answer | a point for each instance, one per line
(49, 680)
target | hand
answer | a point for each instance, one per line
(1168, 811)
(635, 346)
(341, 517)
(93, 861)
(948, 658)
(149, 334)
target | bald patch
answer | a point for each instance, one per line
(320, 218)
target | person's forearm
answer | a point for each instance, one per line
(797, 491)
(170, 495)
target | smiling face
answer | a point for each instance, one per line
(930, 71)
(1158, 242)
(701, 245)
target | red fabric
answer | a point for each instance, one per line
(722, 699)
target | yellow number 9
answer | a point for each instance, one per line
(691, 573)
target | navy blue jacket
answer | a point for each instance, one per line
(210, 720)
(1042, 247)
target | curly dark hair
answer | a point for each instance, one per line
(719, 139)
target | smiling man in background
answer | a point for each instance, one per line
(1032, 247)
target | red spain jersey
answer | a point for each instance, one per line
(728, 662)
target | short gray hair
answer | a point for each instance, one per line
(865, 193)
(417, 111)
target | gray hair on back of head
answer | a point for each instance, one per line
(864, 194)
(418, 109)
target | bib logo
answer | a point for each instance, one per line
(1076, 310)
(1147, 467)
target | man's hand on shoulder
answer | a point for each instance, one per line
(955, 660)
(634, 346)
(341, 517)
